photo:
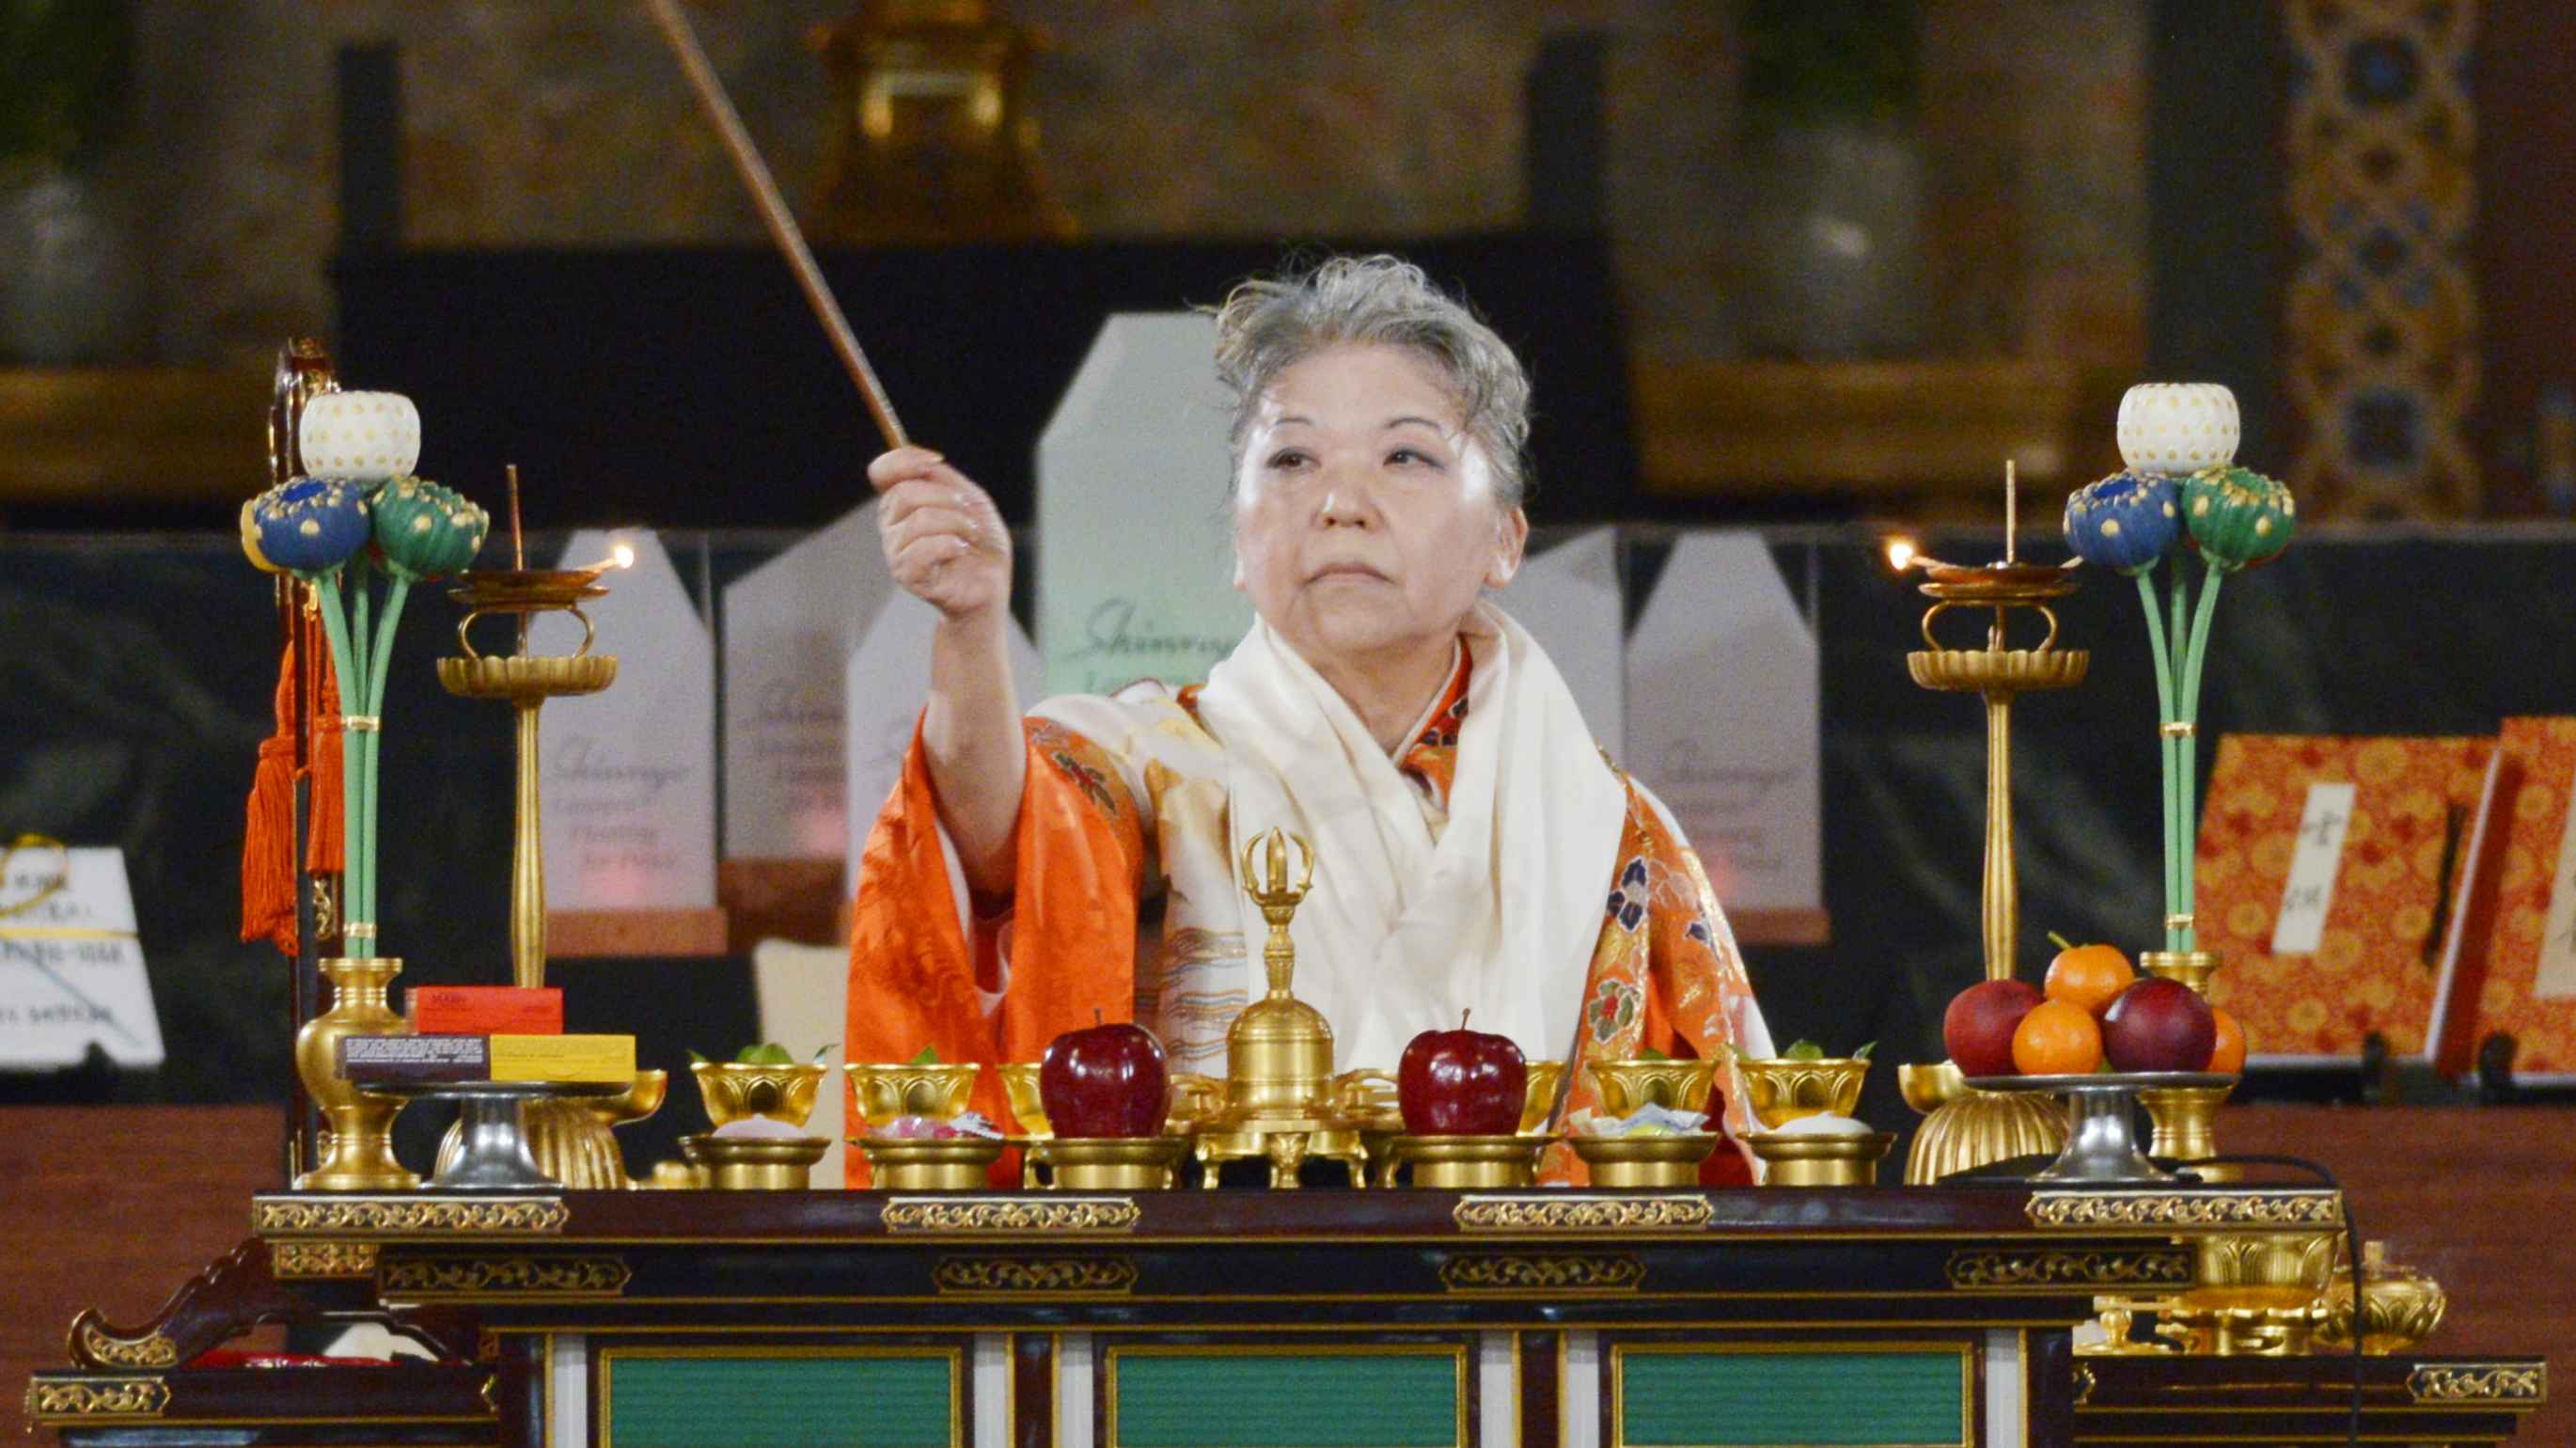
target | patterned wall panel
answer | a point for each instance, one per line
(2382, 314)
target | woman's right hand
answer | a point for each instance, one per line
(942, 535)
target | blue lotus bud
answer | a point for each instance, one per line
(310, 525)
(2127, 521)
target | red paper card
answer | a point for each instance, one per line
(2332, 931)
(486, 1010)
(2517, 967)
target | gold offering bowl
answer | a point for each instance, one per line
(1627, 1087)
(2400, 1307)
(1821, 1159)
(636, 1102)
(1459, 1163)
(737, 1091)
(755, 1163)
(1664, 1160)
(1544, 1079)
(1966, 1128)
(950, 1164)
(1781, 1090)
(1020, 1083)
(2255, 1294)
(1115, 1163)
(938, 1090)
(1928, 1087)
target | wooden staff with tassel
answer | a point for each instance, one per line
(773, 212)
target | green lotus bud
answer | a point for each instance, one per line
(425, 530)
(2237, 516)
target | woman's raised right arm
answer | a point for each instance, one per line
(945, 542)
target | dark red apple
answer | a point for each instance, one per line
(1978, 1027)
(1461, 1083)
(1106, 1080)
(2158, 1025)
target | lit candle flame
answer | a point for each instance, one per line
(621, 556)
(1900, 553)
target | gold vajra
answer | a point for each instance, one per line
(1579, 1214)
(962, 1214)
(1016, 1275)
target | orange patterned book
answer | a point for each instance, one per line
(2328, 872)
(2517, 971)
(487, 1010)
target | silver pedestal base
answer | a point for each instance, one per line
(492, 1136)
(2101, 1127)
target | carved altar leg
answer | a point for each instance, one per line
(1032, 1390)
(1542, 1361)
(2048, 1370)
(521, 1395)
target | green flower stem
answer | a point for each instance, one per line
(344, 663)
(2193, 658)
(378, 668)
(2165, 761)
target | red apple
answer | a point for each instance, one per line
(1105, 1080)
(1978, 1027)
(2158, 1025)
(1461, 1083)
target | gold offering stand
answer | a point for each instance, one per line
(1280, 1098)
(1968, 1128)
(571, 1139)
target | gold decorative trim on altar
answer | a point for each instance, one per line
(152, 1350)
(2479, 1383)
(96, 1398)
(321, 1259)
(1034, 1276)
(1984, 1270)
(420, 1278)
(2186, 1209)
(971, 1215)
(1516, 1272)
(1562, 1213)
(405, 1216)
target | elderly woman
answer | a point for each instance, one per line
(1474, 849)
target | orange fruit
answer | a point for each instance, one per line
(2057, 1038)
(2088, 976)
(2228, 1055)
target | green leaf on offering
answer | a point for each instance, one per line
(929, 1057)
(824, 1049)
(697, 1059)
(1863, 1053)
(1649, 1053)
(767, 1053)
(1803, 1051)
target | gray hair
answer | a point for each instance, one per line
(1269, 324)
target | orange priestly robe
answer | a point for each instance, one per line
(1122, 811)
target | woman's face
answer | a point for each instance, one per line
(1365, 522)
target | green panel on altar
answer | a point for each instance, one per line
(1258, 1398)
(1698, 1398)
(707, 1399)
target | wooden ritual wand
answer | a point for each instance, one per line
(773, 211)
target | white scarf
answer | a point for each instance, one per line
(1400, 933)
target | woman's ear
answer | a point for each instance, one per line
(1510, 543)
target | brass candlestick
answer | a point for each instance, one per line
(573, 1144)
(1969, 1128)
(1279, 1052)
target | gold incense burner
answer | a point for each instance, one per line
(1279, 1093)
(2400, 1307)
(1969, 1128)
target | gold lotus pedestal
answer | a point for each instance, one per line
(1967, 1128)
(1279, 1091)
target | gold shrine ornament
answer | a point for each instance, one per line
(1279, 1091)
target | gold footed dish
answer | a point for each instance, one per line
(1965, 1128)
(1780, 1090)
(2182, 1117)
(735, 1091)
(357, 1151)
(2191, 967)
(948, 1164)
(1462, 1163)
(1627, 1087)
(1646, 1161)
(1821, 1159)
(2400, 1307)
(519, 678)
(1115, 1163)
(756, 1163)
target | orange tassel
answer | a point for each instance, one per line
(268, 826)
